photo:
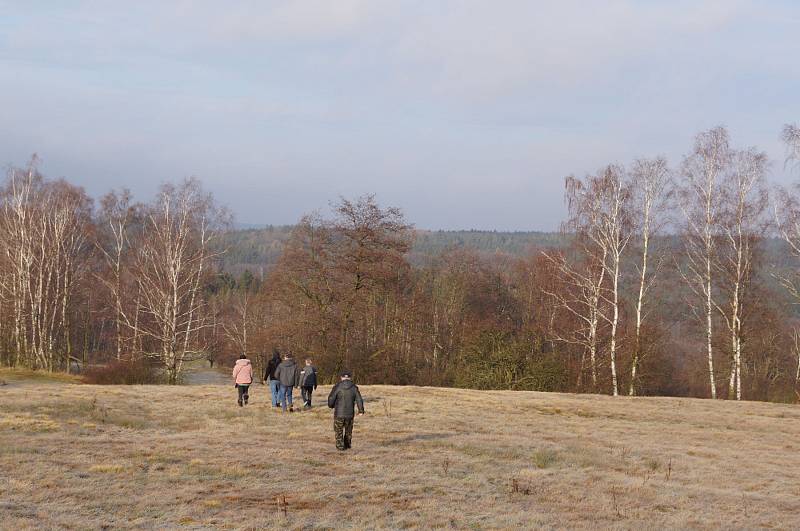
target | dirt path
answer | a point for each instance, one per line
(203, 375)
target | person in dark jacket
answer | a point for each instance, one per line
(288, 374)
(343, 399)
(269, 376)
(308, 383)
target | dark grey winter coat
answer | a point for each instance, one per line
(308, 376)
(288, 373)
(344, 398)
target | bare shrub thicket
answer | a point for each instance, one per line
(134, 371)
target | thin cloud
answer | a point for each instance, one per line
(484, 105)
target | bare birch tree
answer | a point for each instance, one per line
(791, 136)
(787, 220)
(240, 325)
(173, 257)
(43, 234)
(613, 233)
(744, 201)
(650, 193)
(699, 201)
(578, 294)
(600, 221)
(117, 214)
(71, 210)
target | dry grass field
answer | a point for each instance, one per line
(79, 456)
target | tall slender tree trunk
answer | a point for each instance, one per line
(639, 305)
(709, 309)
(614, 324)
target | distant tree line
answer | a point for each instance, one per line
(665, 280)
(258, 250)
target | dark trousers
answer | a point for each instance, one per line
(343, 429)
(243, 395)
(306, 392)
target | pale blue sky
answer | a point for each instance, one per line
(466, 114)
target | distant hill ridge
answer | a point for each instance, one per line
(256, 248)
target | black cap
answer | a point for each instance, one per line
(346, 374)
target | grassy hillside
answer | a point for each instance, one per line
(85, 456)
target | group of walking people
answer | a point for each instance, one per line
(283, 374)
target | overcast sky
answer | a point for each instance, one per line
(466, 114)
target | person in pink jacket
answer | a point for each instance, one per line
(243, 377)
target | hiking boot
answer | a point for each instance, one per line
(246, 398)
(291, 409)
(239, 402)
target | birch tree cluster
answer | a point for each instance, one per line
(45, 237)
(698, 230)
(125, 279)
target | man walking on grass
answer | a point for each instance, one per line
(288, 373)
(343, 399)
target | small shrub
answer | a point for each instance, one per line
(545, 458)
(124, 372)
(518, 487)
(499, 360)
(652, 464)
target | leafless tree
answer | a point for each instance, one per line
(371, 242)
(599, 218)
(44, 226)
(245, 317)
(580, 281)
(791, 136)
(173, 256)
(742, 223)
(613, 233)
(651, 190)
(700, 202)
(582, 276)
(117, 214)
